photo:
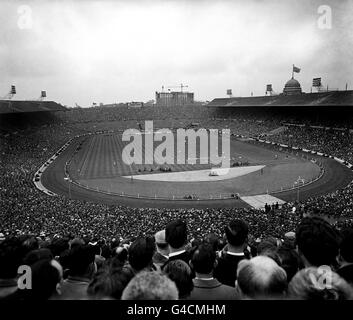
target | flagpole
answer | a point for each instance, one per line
(293, 71)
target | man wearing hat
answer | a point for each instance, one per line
(160, 257)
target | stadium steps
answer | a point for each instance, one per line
(259, 201)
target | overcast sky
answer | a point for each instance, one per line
(117, 51)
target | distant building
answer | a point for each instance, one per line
(174, 98)
(292, 87)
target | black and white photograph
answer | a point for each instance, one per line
(196, 152)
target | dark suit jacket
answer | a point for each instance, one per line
(73, 288)
(226, 270)
(185, 256)
(159, 259)
(212, 290)
(346, 273)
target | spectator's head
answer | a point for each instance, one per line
(30, 243)
(121, 254)
(203, 260)
(80, 261)
(289, 239)
(37, 255)
(141, 252)
(237, 233)
(150, 286)
(319, 284)
(176, 234)
(346, 246)
(269, 247)
(289, 261)
(180, 272)
(214, 241)
(106, 251)
(161, 244)
(58, 246)
(46, 278)
(76, 242)
(266, 244)
(109, 282)
(317, 242)
(261, 278)
(10, 258)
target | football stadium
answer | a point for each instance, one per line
(63, 172)
(191, 194)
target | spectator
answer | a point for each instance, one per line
(58, 246)
(10, 260)
(30, 244)
(176, 236)
(109, 282)
(120, 255)
(37, 255)
(261, 278)
(160, 257)
(206, 287)
(216, 243)
(269, 247)
(81, 271)
(289, 261)
(346, 256)
(237, 235)
(317, 242)
(150, 286)
(140, 254)
(47, 278)
(180, 272)
(319, 284)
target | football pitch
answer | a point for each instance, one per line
(98, 165)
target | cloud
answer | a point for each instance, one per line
(84, 51)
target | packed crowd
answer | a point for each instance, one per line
(337, 143)
(313, 263)
(34, 221)
(124, 113)
(333, 142)
(25, 209)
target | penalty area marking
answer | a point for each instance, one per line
(197, 175)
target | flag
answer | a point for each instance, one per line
(269, 87)
(296, 69)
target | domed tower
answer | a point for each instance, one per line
(292, 87)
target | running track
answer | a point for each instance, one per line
(336, 176)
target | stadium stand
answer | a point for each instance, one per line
(305, 99)
(84, 247)
(16, 106)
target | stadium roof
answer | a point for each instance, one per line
(330, 98)
(20, 106)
